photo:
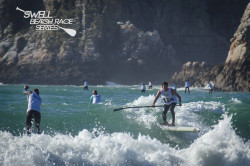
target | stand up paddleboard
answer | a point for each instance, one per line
(179, 128)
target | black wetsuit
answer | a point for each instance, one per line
(29, 116)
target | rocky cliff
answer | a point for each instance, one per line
(122, 41)
(234, 74)
(192, 71)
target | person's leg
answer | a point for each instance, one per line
(173, 113)
(37, 121)
(185, 89)
(188, 90)
(164, 114)
(28, 122)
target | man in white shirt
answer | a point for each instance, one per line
(86, 85)
(169, 97)
(187, 85)
(150, 86)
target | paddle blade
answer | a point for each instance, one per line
(117, 109)
(71, 32)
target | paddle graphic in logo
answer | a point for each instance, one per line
(43, 21)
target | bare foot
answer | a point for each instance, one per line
(172, 124)
(164, 123)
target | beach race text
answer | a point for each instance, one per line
(43, 21)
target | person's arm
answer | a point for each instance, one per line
(27, 92)
(156, 98)
(176, 94)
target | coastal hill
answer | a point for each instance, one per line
(234, 74)
(127, 42)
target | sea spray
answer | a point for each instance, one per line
(218, 146)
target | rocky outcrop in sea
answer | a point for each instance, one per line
(234, 74)
(192, 71)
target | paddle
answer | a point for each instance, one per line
(118, 109)
(71, 32)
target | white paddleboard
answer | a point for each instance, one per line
(179, 128)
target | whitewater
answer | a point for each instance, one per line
(75, 132)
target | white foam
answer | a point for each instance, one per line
(201, 106)
(142, 115)
(190, 88)
(66, 104)
(112, 83)
(108, 102)
(235, 100)
(184, 116)
(219, 146)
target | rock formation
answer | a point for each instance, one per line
(192, 71)
(121, 41)
(234, 74)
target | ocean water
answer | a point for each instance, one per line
(75, 132)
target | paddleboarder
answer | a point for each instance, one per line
(211, 88)
(143, 88)
(150, 86)
(187, 85)
(86, 85)
(33, 111)
(169, 97)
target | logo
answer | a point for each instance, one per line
(44, 22)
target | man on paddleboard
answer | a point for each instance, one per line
(169, 98)
(187, 85)
(33, 111)
(211, 88)
(86, 85)
(143, 88)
